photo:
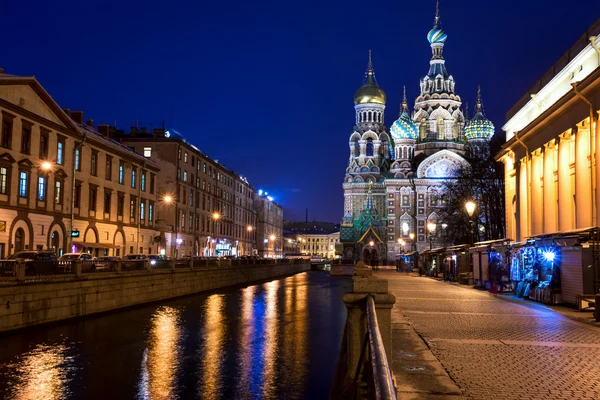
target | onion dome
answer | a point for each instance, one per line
(370, 92)
(437, 34)
(479, 127)
(404, 128)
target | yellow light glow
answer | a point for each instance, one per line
(168, 199)
(46, 166)
(371, 243)
(249, 228)
(411, 236)
(470, 206)
(216, 215)
(272, 237)
(431, 226)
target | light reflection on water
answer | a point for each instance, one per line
(271, 338)
(42, 373)
(160, 361)
(212, 349)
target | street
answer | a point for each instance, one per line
(490, 347)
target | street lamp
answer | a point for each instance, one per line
(431, 228)
(168, 199)
(250, 228)
(401, 242)
(470, 206)
(216, 216)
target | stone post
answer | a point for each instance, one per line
(147, 265)
(118, 267)
(21, 267)
(172, 263)
(365, 284)
(77, 266)
(191, 263)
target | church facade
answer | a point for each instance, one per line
(394, 181)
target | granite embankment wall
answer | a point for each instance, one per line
(30, 303)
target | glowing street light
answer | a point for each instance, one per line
(216, 216)
(431, 228)
(168, 199)
(249, 228)
(371, 243)
(272, 237)
(470, 206)
(46, 166)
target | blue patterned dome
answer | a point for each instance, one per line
(404, 128)
(479, 127)
(437, 35)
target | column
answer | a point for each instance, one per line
(550, 217)
(564, 184)
(597, 168)
(517, 210)
(524, 212)
(537, 195)
(582, 178)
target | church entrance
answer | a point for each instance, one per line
(370, 256)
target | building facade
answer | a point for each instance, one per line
(207, 209)
(550, 157)
(319, 245)
(269, 226)
(394, 180)
(63, 185)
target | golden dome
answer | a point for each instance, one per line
(369, 94)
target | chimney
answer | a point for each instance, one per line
(143, 130)
(90, 122)
(158, 132)
(133, 131)
(103, 129)
(77, 116)
(67, 111)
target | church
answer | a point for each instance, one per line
(393, 186)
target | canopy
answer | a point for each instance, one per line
(96, 245)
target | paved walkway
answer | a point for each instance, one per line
(489, 348)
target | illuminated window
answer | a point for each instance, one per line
(23, 178)
(3, 179)
(147, 151)
(41, 188)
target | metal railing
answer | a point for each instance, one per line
(372, 378)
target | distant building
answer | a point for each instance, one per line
(319, 245)
(269, 227)
(206, 208)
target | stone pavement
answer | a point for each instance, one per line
(452, 342)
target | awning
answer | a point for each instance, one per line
(96, 245)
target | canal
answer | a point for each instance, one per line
(274, 340)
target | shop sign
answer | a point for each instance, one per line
(75, 233)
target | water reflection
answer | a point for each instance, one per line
(295, 349)
(42, 373)
(212, 348)
(160, 362)
(246, 338)
(271, 339)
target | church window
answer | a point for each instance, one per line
(370, 116)
(423, 128)
(441, 129)
(369, 148)
(405, 200)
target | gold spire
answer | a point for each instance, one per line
(437, 12)
(370, 92)
(404, 106)
(479, 105)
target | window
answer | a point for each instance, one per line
(183, 219)
(94, 168)
(93, 198)
(185, 157)
(120, 204)
(78, 160)
(7, 127)
(204, 167)
(23, 178)
(133, 171)
(107, 202)
(44, 145)
(142, 210)
(58, 192)
(405, 200)
(370, 148)
(191, 222)
(143, 183)
(147, 151)
(3, 180)
(60, 152)
(150, 212)
(25, 138)
(179, 155)
(178, 173)
(108, 170)
(184, 176)
(152, 183)
(41, 195)
(191, 198)
(121, 172)
(132, 208)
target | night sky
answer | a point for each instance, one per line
(267, 87)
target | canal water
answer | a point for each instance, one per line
(274, 340)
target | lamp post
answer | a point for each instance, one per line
(470, 206)
(168, 199)
(401, 242)
(216, 216)
(272, 240)
(249, 228)
(412, 240)
(431, 228)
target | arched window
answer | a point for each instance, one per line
(455, 130)
(19, 240)
(441, 130)
(423, 128)
(370, 116)
(356, 148)
(370, 148)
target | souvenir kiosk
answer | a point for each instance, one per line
(490, 264)
(433, 262)
(457, 259)
(563, 267)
